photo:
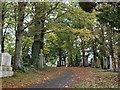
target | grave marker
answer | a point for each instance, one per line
(5, 65)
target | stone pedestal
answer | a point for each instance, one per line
(5, 65)
(6, 73)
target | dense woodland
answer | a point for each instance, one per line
(61, 31)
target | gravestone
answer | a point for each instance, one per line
(42, 59)
(67, 63)
(111, 68)
(5, 65)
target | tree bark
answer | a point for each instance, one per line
(95, 53)
(64, 59)
(70, 58)
(18, 34)
(111, 48)
(60, 57)
(103, 48)
(83, 53)
(2, 45)
(38, 43)
(2, 36)
(0, 27)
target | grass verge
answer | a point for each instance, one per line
(22, 80)
(99, 80)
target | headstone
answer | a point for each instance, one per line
(111, 68)
(5, 59)
(67, 63)
(58, 62)
(42, 59)
(117, 68)
(5, 65)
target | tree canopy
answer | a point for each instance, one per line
(66, 33)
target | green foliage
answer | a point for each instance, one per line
(65, 31)
(9, 44)
(24, 69)
(66, 27)
(110, 16)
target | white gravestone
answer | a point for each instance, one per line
(111, 68)
(5, 59)
(41, 60)
(5, 65)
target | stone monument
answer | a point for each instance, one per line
(42, 59)
(111, 68)
(5, 65)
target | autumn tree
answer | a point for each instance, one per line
(41, 13)
(109, 18)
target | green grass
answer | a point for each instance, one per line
(109, 73)
(99, 80)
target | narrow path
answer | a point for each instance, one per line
(62, 81)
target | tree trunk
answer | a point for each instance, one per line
(2, 45)
(2, 36)
(76, 60)
(38, 43)
(95, 53)
(64, 59)
(18, 34)
(118, 51)
(60, 57)
(70, 59)
(111, 48)
(83, 53)
(119, 58)
(101, 62)
(0, 27)
(103, 48)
